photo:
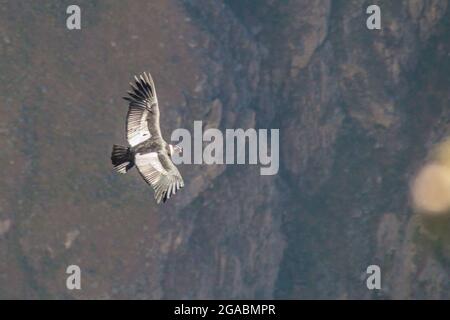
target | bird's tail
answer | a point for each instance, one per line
(121, 159)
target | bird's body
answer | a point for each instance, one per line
(150, 145)
(148, 150)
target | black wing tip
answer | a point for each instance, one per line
(142, 89)
(163, 196)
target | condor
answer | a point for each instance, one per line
(147, 150)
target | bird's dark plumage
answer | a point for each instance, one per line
(148, 150)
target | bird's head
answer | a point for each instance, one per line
(173, 149)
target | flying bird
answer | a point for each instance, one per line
(147, 149)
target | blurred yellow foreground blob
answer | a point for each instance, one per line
(431, 187)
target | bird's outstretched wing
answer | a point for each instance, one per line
(158, 170)
(143, 112)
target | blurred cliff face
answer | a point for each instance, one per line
(357, 111)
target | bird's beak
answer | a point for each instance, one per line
(177, 149)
